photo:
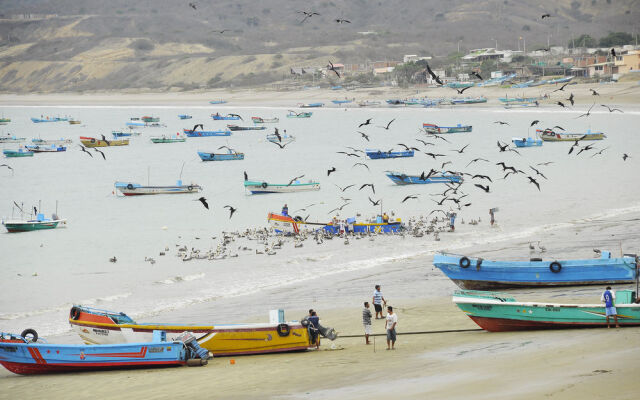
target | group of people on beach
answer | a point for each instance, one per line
(391, 320)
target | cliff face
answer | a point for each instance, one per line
(69, 45)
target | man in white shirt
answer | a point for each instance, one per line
(390, 324)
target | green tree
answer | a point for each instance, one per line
(616, 39)
(583, 40)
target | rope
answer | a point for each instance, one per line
(413, 333)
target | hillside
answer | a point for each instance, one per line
(68, 45)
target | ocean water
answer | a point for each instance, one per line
(44, 273)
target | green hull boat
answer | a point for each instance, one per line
(35, 225)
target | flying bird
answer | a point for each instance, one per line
(425, 143)
(545, 16)
(339, 208)
(282, 146)
(196, 127)
(344, 188)
(101, 153)
(375, 203)
(246, 177)
(538, 172)
(505, 167)
(477, 75)
(365, 136)
(332, 68)
(105, 140)
(359, 163)
(221, 31)
(571, 99)
(585, 148)
(435, 155)
(462, 90)
(389, 124)
(545, 163)
(561, 104)
(231, 211)
(367, 122)
(85, 150)
(561, 87)
(445, 163)
(532, 180)
(307, 14)
(587, 113)
(373, 189)
(482, 177)
(412, 196)
(534, 122)
(599, 152)
(485, 188)
(502, 147)
(625, 156)
(436, 211)
(340, 21)
(559, 127)
(204, 202)
(461, 150)
(434, 76)
(476, 160)
(594, 93)
(235, 115)
(8, 166)
(193, 5)
(329, 171)
(611, 109)
(294, 179)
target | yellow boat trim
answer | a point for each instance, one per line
(151, 327)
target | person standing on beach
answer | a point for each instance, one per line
(492, 216)
(378, 299)
(314, 322)
(366, 321)
(390, 324)
(452, 221)
(285, 211)
(609, 298)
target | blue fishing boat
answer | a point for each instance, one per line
(437, 129)
(229, 156)
(245, 128)
(522, 84)
(478, 274)
(135, 123)
(527, 142)
(400, 178)
(54, 148)
(228, 117)
(48, 119)
(184, 116)
(118, 134)
(377, 154)
(218, 102)
(518, 99)
(311, 105)
(339, 102)
(192, 133)
(35, 356)
(560, 80)
(520, 105)
(469, 100)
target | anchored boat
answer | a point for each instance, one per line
(527, 142)
(230, 155)
(135, 189)
(11, 139)
(262, 187)
(400, 178)
(192, 133)
(167, 139)
(184, 116)
(476, 273)
(228, 117)
(293, 225)
(17, 153)
(377, 154)
(40, 222)
(293, 114)
(549, 135)
(260, 120)
(48, 119)
(433, 128)
(245, 128)
(36, 148)
(60, 141)
(93, 142)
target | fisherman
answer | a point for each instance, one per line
(385, 218)
(285, 211)
(609, 300)
(452, 221)
(314, 324)
(366, 321)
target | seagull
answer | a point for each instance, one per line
(485, 188)
(307, 14)
(532, 180)
(477, 75)
(476, 160)
(95, 149)
(594, 93)
(434, 155)
(559, 127)
(282, 146)
(600, 152)
(436, 211)
(612, 109)
(434, 76)
(571, 99)
(85, 150)
(340, 21)
(502, 147)
(246, 177)
(482, 177)
(294, 179)
(461, 150)
(375, 203)
(501, 122)
(329, 171)
(587, 113)
(359, 163)
(425, 143)
(193, 5)
(462, 90)
(545, 16)
(231, 211)
(538, 172)
(339, 208)
(345, 188)
(196, 127)
(561, 87)
(366, 137)
(235, 115)
(412, 196)
(367, 122)
(585, 148)
(332, 68)
(561, 104)
(387, 127)
(106, 141)
(534, 122)
(204, 202)
(373, 189)
(8, 166)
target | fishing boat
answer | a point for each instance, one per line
(218, 102)
(283, 139)
(97, 326)
(395, 102)
(522, 84)
(310, 105)
(378, 154)
(400, 178)
(527, 142)
(262, 187)
(93, 142)
(476, 273)
(60, 141)
(167, 139)
(117, 134)
(549, 135)
(293, 114)
(260, 120)
(37, 224)
(245, 128)
(560, 80)
(499, 312)
(148, 119)
(521, 105)
(4, 121)
(340, 102)
(228, 117)
(433, 128)
(508, 100)
(229, 156)
(294, 225)
(54, 148)
(184, 116)
(369, 103)
(22, 356)
(48, 119)
(196, 133)
(135, 124)
(136, 189)
(469, 100)
(74, 122)
(17, 153)
(11, 139)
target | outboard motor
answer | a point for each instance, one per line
(326, 332)
(195, 351)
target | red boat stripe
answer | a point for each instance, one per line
(35, 353)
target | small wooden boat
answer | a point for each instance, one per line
(293, 114)
(228, 117)
(549, 135)
(400, 178)
(49, 119)
(105, 327)
(283, 139)
(192, 133)
(433, 128)
(377, 154)
(229, 156)
(74, 122)
(499, 312)
(117, 134)
(527, 142)
(135, 124)
(135, 189)
(476, 273)
(260, 120)
(218, 102)
(37, 224)
(310, 105)
(167, 139)
(469, 100)
(54, 148)
(93, 142)
(245, 128)
(184, 116)
(293, 225)
(148, 119)
(17, 153)
(4, 121)
(262, 187)
(341, 102)
(11, 139)
(25, 357)
(521, 105)
(369, 103)
(60, 141)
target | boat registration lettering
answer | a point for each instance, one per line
(101, 332)
(10, 349)
(482, 307)
(156, 349)
(553, 309)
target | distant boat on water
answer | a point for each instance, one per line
(433, 128)
(310, 105)
(378, 154)
(17, 153)
(54, 148)
(260, 120)
(11, 139)
(4, 121)
(218, 102)
(400, 178)
(196, 133)
(293, 114)
(184, 116)
(39, 141)
(49, 119)
(527, 142)
(93, 142)
(245, 128)
(135, 189)
(228, 117)
(549, 135)
(37, 223)
(168, 139)
(228, 156)
(262, 187)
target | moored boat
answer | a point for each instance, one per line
(54, 148)
(469, 100)
(117, 134)
(74, 122)
(4, 121)
(280, 138)
(527, 142)
(25, 357)
(49, 119)
(400, 178)
(228, 117)
(184, 116)
(245, 128)
(293, 114)
(60, 141)
(476, 273)
(262, 187)
(218, 102)
(102, 327)
(11, 139)
(310, 105)
(17, 153)
(499, 312)
(549, 135)
(260, 120)
(437, 129)
(148, 119)
(293, 225)
(136, 189)
(340, 102)
(378, 154)
(197, 133)
(93, 142)
(229, 156)
(37, 224)
(369, 103)
(168, 139)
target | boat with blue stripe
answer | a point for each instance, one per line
(293, 225)
(311, 105)
(400, 178)
(228, 117)
(527, 142)
(184, 116)
(196, 133)
(339, 102)
(49, 119)
(436, 129)
(378, 154)
(478, 274)
(229, 156)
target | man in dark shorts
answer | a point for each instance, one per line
(390, 324)
(314, 324)
(378, 300)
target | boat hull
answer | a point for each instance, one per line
(93, 142)
(550, 136)
(28, 226)
(220, 157)
(264, 187)
(191, 133)
(378, 155)
(167, 140)
(300, 115)
(432, 128)
(259, 120)
(134, 189)
(527, 142)
(17, 153)
(486, 275)
(287, 224)
(403, 179)
(245, 128)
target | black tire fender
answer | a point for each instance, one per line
(464, 262)
(283, 330)
(555, 267)
(264, 185)
(32, 332)
(130, 186)
(74, 313)
(190, 187)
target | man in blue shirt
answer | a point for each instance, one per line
(285, 210)
(609, 298)
(314, 322)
